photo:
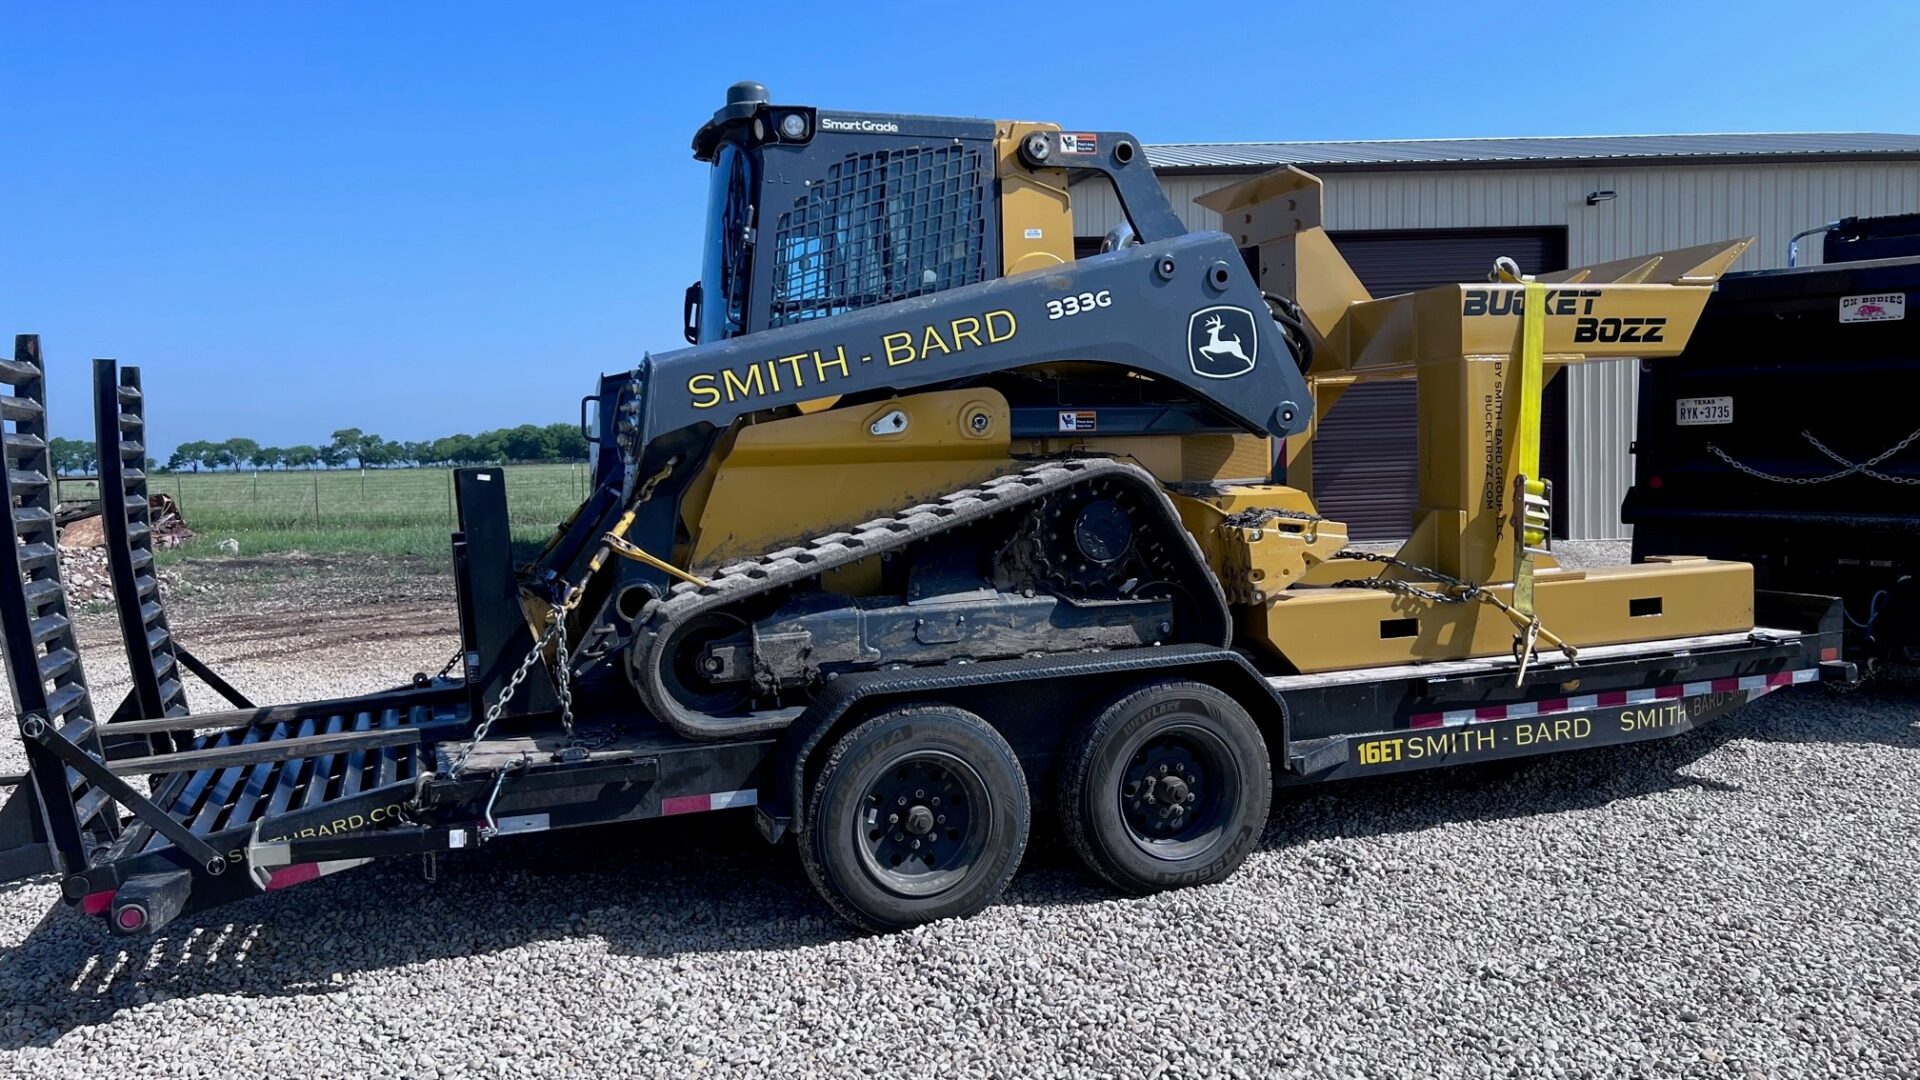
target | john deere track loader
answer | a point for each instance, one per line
(933, 527)
(912, 429)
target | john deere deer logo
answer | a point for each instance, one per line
(1222, 341)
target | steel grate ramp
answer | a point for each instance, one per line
(221, 797)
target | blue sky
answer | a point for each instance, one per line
(426, 218)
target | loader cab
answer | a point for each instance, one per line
(813, 212)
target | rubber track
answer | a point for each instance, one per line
(739, 581)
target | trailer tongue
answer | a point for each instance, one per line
(155, 813)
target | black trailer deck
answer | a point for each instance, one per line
(156, 812)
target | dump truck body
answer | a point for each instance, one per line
(1784, 437)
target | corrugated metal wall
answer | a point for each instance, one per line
(1655, 209)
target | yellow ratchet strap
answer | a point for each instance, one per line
(617, 543)
(1532, 515)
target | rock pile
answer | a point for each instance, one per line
(83, 570)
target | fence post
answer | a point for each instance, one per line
(316, 498)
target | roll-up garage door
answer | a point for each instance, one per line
(1365, 465)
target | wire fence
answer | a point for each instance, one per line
(540, 496)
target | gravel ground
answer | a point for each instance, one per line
(1739, 902)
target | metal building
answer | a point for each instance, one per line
(1419, 212)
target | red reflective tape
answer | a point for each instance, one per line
(1780, 678)
(1611, 698)
(1667, 692)
(288, 876)
(1490, 712)
(685, 804)
(97, 903)
(1558, 704)
(1726, 686)
(1426, 720)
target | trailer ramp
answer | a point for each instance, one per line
(154, 804)
(155, 658)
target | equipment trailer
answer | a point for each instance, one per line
(932, 525)
(262, 799)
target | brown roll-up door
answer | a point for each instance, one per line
(1365, 467)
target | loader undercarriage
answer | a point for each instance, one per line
(1071, 555)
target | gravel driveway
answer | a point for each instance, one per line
(1740, 902)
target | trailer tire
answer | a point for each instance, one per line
(1169, 744)
(951, 802)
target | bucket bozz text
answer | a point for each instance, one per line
(818, 369)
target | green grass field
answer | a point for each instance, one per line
(379, 511)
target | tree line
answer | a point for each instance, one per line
(351, 446)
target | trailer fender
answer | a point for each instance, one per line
(849, 698)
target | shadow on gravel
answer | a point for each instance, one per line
(654, 889)
(667, 889)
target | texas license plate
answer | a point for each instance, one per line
(1705, 410)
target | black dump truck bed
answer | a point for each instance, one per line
(1786, 436)
(151, 812)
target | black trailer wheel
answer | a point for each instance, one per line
(1167, 786)
(920, 813)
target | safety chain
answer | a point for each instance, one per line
(556, 633)
(1530, 629)
(1865, 468)
(1254, 517)
(1468, 590)
(447, 668)
(500, 703)
(562, 675)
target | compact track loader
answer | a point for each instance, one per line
(932, 524)
(1086, 454)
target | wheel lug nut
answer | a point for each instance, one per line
(942, 819)
(901, 801)
(893, 819)
(1163, 770)
(936, 800)
(916, 845)
(919, 793)
(897, 837)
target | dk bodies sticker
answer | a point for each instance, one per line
(1881, 307)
